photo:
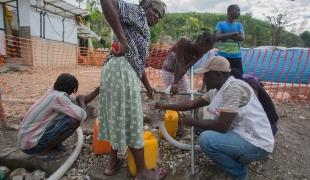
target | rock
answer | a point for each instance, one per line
(283, 96)
(20, 159)
(6, 152)
(302, 97)
(37, 174)
(270, 157)
(302, 117)
(17, 173)
(14, 126)
(4, 170)
(88, 137)
(17, 178)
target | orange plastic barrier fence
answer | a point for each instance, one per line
(154, 65)
(16, 50)
(285, 73)
(91, 57)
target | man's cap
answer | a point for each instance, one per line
(216, 63)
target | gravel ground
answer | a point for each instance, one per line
(290, 159)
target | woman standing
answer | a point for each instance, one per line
(120, 106)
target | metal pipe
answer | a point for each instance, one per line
(17, 10)
(192, 128)
(41, 24)
(179, 93)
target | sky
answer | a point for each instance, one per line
(298, 10)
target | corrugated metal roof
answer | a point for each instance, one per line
(62, 8)
(86, 32)
(5, 1)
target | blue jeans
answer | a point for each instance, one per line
(58, 128)
(230, 151)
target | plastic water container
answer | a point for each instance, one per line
(99, 147)
(150, 153)
(171, 120)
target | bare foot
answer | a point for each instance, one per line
(157, 174)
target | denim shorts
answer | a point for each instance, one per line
(61, 127)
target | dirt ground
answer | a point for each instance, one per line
(290, 159)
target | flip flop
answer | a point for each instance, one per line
(157, 174)
(161, 173)
(108, 171)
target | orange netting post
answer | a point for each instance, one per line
(268, 68)
(1, 60)
(287, 75)
(19, 50)
(251, 58)
(257, 58)
(281, 72)
(306, 90)
(154, 65)
(264, 58)
(305, 93)
(245, 56)
(2, 115)
(273, 73)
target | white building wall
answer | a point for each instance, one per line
(71, 31)
(53, 27)
(24, 12)
(35, 23)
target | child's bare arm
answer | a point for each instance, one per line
(180, 49)
(89, 97)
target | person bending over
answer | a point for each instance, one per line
(54, 117)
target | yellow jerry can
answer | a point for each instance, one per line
(150, 153)
(171, 120)
(99, 147)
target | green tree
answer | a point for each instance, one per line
(305, 37)
(277, 24)
(156, 32)
(257, 32)
(98, 23)
(191, 27)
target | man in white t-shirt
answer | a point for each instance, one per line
(240, 131)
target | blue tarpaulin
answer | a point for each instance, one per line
(283, 65)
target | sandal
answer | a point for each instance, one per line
(110, 171)
(161, 173)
